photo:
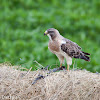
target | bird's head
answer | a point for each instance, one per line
(51, 33)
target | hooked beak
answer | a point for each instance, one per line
(45, 33)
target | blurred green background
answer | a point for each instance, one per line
(23, 22)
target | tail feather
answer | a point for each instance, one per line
(86, 58)
(83, 55)
(86, 53)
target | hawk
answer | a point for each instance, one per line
(64, 48)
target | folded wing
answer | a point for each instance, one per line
(74, 51)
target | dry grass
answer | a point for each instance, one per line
(62, 85)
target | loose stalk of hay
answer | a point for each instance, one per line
(62, 85)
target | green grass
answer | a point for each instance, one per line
(22, 24)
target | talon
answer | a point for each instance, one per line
(63, 68)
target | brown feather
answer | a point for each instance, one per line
(73, 51)
(53, 46)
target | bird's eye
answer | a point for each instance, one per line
(50, 31)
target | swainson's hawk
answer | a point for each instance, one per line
(64, 48)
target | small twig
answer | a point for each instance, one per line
(28, 71)
(38, 63)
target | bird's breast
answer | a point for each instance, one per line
(53, 46)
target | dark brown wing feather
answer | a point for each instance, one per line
(73, 50)
(72, 43)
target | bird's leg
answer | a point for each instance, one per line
(67, 67)
(61, 65)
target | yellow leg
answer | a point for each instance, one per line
(61, 65)
(67, 67)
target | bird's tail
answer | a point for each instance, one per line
(84, 56)
(86, 53)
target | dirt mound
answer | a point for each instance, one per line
(62, 85)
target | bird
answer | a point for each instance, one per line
(64, 48)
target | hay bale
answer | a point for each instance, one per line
(62, 85)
